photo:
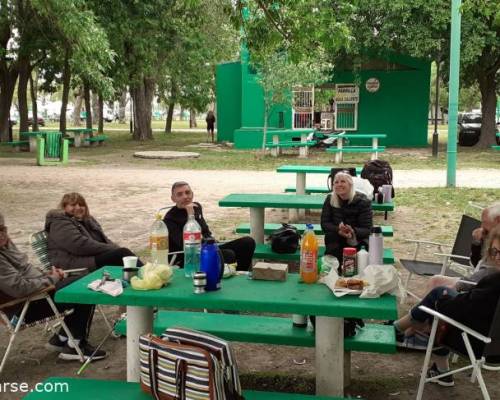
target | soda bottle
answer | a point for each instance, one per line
(192, 246)
(309, 256)
(158, 242)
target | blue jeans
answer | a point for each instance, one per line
(430, 300)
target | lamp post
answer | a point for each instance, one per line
(435, 135)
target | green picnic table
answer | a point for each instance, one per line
(245, 295)
(77, 132)
(302, 170)
(374, 149)
(259, 202)
(32, 136)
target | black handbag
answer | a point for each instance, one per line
(285, 240)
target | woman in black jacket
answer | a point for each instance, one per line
(346, 218)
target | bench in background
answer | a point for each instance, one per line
(99, 139)
(18, 145)
(269, 228)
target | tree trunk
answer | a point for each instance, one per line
(122, 106)
(192, 118)
(88, 107)
(95, 105)
(264, 130)
(487, 85)
(33, 94)
(7, 84)
(65, 94)
(142, 95)
(22, 94)
(170, 116)
(181, 115)
(100, 103)
(78, 107)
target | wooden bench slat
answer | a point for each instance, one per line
(96, 389)
(264, 251)
(375, 338)
(387, 230)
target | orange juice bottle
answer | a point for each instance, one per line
(309, 256)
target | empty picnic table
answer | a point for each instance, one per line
(257, 203)
(374, 149)
(32, 137)
(80, 131)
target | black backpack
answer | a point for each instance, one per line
(285, 240)
(378, 172)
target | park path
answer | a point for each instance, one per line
(124, 199)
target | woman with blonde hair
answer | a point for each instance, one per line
(76, 239)
(346, 218)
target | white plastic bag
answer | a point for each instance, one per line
(363, 186)
(382, 279)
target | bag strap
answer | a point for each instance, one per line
(153, 381)
(180, 378)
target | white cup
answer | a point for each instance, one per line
(130, 262)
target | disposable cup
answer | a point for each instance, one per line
(130, 262)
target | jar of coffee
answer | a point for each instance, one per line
(349, 267)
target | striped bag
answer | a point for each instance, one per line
(188, 365)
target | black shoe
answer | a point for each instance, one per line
(444, 380)
(70, 354)
(56, 344)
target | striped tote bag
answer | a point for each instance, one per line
(172, 370)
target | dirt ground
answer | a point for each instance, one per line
(124, 201)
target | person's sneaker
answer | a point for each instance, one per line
(70, 354)
(414, 342)
(444, 380)
(55, 343)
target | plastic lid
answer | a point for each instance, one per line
(349, 251)
(310, 226)
(376, 229)
(209, 240)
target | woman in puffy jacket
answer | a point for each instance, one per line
(346, 218)
(76, 240)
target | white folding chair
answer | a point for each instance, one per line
(488, 360)
(14, 328)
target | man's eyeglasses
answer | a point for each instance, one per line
(494, 252)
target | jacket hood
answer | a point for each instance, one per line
(54, 215)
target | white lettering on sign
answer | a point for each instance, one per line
(372, 85)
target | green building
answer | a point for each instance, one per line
(388, 96)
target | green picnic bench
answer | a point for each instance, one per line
(303, 144)
(99, 139)
(374, 149)
(18, 145)
(495, 147)
(269, 228)
(84, 389)
(373, 338)
(263, 251)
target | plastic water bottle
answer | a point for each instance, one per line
(362, 259)
(192, 246)
(158, 242)
(309, 256)
(376, 247)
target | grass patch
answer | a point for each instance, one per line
(119, 149)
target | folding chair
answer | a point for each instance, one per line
(459, 255)
(19, 325)
(488, 360)
(38, 242)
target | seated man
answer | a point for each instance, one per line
(239, 251)
(490, 218)
(18, 279)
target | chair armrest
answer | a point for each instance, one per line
(456, 324)
(452, 255)
(426, 242)
(467, 282)
(32, 296)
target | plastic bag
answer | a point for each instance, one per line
(152, 277)
(382, 279)
(363, 186)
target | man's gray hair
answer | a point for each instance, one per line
(178, 184)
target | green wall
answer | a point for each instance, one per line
(228, 88)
